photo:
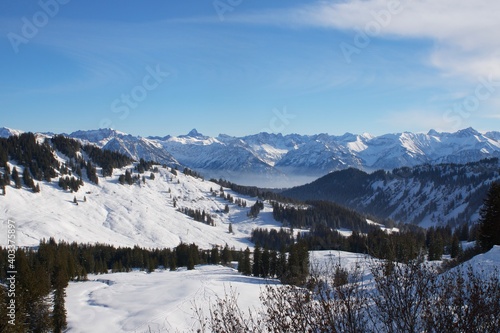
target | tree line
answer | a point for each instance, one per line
(39, 163)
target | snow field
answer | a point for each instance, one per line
(128, 215)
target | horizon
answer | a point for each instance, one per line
(483, 132)
(248, 67)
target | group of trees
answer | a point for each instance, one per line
(25, 149)
(198, 215)
(252, 191)
(290, 267)
(70, 183)
(39, 163)
(272, 239)
(320, 212)
(106, 159)
(47, 271)
(194, 174)
(255, 209)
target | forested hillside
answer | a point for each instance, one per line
(428, 195)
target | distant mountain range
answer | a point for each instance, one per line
(276, 160)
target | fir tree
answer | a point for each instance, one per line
(246, 268)
(266, 262)
(257, 261)
(59, 312)
(489, 229)
(15, 178)
(226, 256)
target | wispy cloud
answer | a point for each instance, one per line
(464, 31)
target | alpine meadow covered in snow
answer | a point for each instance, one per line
(250, 166)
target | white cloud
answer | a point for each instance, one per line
(465, 32)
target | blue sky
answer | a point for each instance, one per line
(240, 67)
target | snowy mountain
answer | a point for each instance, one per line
(134, 147)
(275, 160)
(282, 160)
(6, 132)
(152, 209)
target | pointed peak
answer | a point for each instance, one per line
(194, 133)
(433, 132)
(468, 132)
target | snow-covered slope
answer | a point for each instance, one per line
(126, 215)
(6, 132)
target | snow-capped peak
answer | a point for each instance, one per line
(5, 132)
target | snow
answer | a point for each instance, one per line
(486, 264)
(296, 155)
(126, 215)
(162, 301)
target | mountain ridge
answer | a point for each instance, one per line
(277, 160)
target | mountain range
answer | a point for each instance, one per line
(276, 160)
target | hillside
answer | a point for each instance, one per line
(428, 195)
(144, 213)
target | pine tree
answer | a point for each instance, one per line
(226, 256)
(257, 261)
(456, 249)
(15, 178)
(266, 262)
(59, 312)
(230, 228)
(28, 181)
(246, 268)
(489, 223)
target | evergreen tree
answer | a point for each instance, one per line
(230, 228)
(455, 249)
(28, 181)
(246, 268)
(257, 261)
(59, 312)
(226, 255)
(15, 178)
(214, 256)
(266, 262)
(489, 223)
(273, 263)
(281, 263)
